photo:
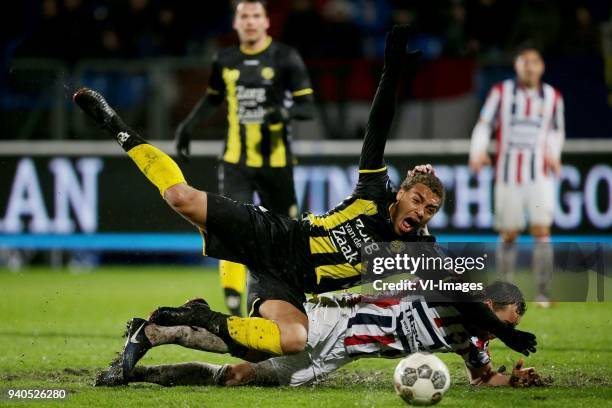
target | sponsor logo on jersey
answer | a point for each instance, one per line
(350, 237)
(397, 247)
(409, 327)
(250, 101)
(267, 73)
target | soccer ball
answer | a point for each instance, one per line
(421, 379)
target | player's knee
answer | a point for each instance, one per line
(540, 234)
(187, 201)
(509, 236)
(178, 196)
(293, 339)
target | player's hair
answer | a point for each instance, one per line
(502, 294)
(429, 180)
(264, 3)
(526, 47)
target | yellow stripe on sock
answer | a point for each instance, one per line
(232, 275)
(157, 166)
(255, 333)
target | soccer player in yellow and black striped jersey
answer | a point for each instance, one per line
(288, 257)
(265, 85)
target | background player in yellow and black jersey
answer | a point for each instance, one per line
(265, 85)
(289, 257)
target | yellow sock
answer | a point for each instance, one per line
(157, 166)
(255, 333)
(232, 276)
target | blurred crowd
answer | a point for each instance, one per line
(321, 29)
(467, 45)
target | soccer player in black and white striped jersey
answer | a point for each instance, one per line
(344, 328)
(526, 115)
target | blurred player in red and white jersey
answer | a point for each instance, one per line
(526, 115)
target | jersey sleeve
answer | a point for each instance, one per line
(477, 353)
(216, 85)
(374, 185)
(211, 100)
(556, 136)
(298, 80)
(373, 178)
(481, 134)
(490, 109)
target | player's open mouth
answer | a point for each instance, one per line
(408, 224)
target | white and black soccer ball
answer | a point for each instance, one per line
(421, 379)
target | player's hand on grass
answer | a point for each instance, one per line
(478, 162)
(182, 138)
(524, 377)
(517, 340)
(396, 47)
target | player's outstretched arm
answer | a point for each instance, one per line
(478, 314)
(481, 135)
(301, 89)
(520, 377)
(156, 165)
(556, 138)
(203, 110)
(383, 106)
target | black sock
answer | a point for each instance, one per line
(199, 316)
(138, 374)
(126, 137)
(217, 325)
(180, 374)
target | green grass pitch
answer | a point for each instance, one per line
(57, 329)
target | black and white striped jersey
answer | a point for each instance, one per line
(393, 327)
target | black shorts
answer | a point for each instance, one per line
(274, 247)
(261, 287)
(274, 186)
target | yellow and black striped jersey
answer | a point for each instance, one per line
(335, 239)
(253, 82)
